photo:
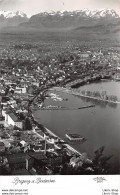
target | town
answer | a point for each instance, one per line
(27, 72)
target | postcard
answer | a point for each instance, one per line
(59, 97)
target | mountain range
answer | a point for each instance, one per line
(61, 20)
(10, 18)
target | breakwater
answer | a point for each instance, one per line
(65, 108)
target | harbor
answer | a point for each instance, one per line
(85, 122)
(71, 150)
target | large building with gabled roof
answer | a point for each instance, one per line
(14, 120)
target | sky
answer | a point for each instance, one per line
(32, 7)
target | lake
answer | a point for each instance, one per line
(100, 125)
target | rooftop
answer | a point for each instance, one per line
(17, 158)
(14, 117)
(38, 155)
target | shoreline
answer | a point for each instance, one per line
(53, 134)
(69, 147)
(72, 92)
(69, 91)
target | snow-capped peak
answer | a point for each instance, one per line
(104, 13)
(101, 13)
(12, 14)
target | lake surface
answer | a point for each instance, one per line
(100, 125)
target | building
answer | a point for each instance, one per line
(5, 112)
(37, 148)
(35, 83)
(54, 159)
(12, 119)
(53, 139)
(84, 55)
(76, 162)
(20, 90)
(2, 147)
(20, 161)
(40, 158)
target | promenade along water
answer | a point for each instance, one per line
(100, 125)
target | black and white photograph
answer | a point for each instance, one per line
(60, 88)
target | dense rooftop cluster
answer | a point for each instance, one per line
(55, 67)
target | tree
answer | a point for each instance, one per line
(100, 162)
(99, 165)
(7, 91)
(27, 124)
(12, 91)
